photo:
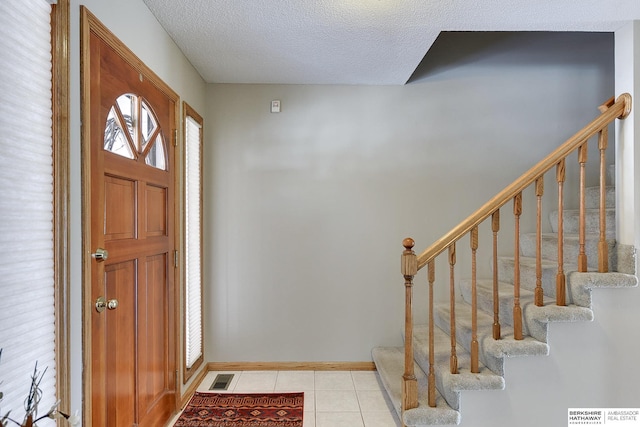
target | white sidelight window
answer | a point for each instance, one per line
(193, 342)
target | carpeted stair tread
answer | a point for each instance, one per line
(592, 197)
(549, 272)
(592, 221)
(484, 289)
(491, 352)
(549, 248)
(535, 319)
(390, 365)
(580, 285)
(528, 273)
(450, 385)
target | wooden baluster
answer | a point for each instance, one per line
(517, 310)
(409, 382)
(582, 255)
(431, 376)
(603, 247)
(474, 303)
(495, 227)
(539, 293)
(453, 362)
(560, 277)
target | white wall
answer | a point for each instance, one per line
(306, 209)
(133, 24)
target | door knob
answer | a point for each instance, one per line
(100, 254)
(102, 303)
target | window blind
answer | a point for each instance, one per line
(27, 317)
(193, 233)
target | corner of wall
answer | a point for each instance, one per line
(627, 79)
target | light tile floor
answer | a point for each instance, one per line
(331, 398)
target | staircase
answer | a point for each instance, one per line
(433, 353)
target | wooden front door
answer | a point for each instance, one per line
(131, 296)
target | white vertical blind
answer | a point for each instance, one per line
(27, 316)
(193, 232)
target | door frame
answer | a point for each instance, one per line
(90, 24)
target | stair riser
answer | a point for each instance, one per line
(592, 197)
(528, 275)
(442, 345)
(463, 333)
(571, 222)
(485, 301)
(549, 249)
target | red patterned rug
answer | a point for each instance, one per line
(243, 410)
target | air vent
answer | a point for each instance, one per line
(221, 382)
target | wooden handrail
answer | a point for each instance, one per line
(619, 109)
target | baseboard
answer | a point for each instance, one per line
(291, 366)
(189, 391)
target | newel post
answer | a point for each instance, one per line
(409, 382)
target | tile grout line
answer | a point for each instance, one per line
(355, 388)
(359, 384)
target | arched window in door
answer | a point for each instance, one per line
(132, 131)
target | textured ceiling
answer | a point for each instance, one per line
(376, 42)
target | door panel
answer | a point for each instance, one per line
(156, 210)
(152, 331)
(120, 284)
(120, 210)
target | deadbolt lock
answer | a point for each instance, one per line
(100, 254)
